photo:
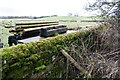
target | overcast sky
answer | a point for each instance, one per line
(42, 7)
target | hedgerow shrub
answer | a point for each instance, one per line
(23, 60)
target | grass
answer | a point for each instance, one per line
(4, 33)
(65, 20)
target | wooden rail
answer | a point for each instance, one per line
(24, 30)
(24, 25)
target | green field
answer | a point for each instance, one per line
(69, 21)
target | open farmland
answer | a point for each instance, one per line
(69, 21)
(72, 21)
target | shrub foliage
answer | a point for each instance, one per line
(24, 60)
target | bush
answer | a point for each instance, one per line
(23, 60)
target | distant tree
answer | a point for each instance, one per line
(54, 15)
(76, 15)
(70, 14)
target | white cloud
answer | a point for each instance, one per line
(41, 7)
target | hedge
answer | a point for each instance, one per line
(23, 60)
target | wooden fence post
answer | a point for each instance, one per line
(82, 70)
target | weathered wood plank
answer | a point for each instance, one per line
(82, 70)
